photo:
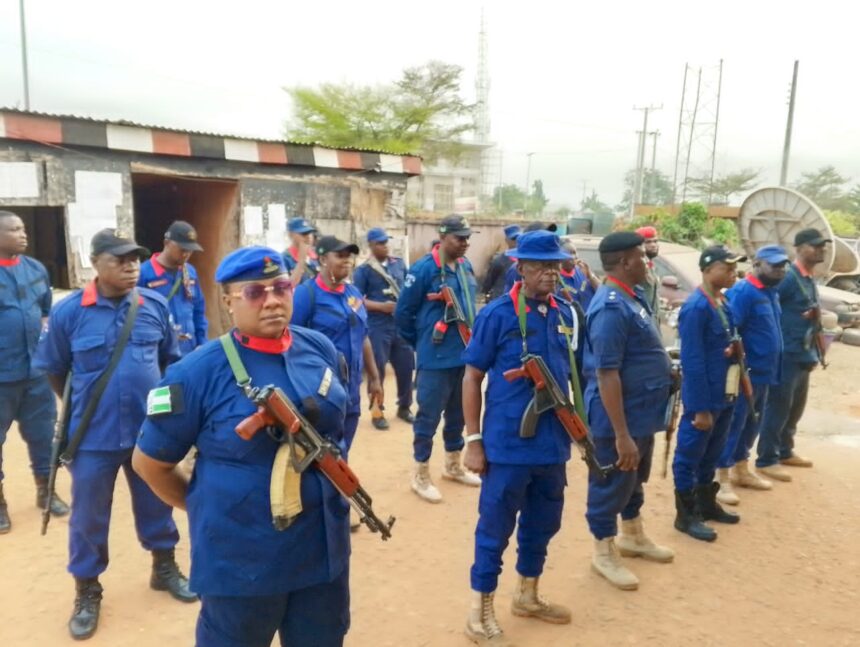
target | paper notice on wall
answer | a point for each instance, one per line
(252, 221)
(85, 220)
(19, 180)
(277, 226)
(98, 186)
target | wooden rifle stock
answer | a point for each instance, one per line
(453, 312)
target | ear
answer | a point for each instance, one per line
(225, 299)
(520, 269)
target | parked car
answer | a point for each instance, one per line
(678, 269)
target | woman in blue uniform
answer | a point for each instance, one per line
(253, 580)
(336, 309)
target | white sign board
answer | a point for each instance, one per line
(19, 180)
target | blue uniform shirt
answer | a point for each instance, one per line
(416, 316)
(187, 305)
(621, 335)
(81, 335)
(756, 313)
(376, 288)
(341, 316)
(235, 549)
(579, 287)
(312, 265)
(497, 346)
(511, 275)
(798, 293)
(704, 339)
(25, 297)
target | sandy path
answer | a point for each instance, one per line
(786, 575)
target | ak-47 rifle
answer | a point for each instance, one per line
(58, 445)
(738, 352)
(673, 408)
(454, 313)
(288, 425)
(548, 395)
(814, 314)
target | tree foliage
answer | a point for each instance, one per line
(723, 187)
(595, 204)
(843, 223)
(509, 198)
(691, 226)
(422, 112)
(656, 188)
(826, 188)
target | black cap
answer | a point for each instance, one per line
(539, 226)
(618, 241)
(455, 224)
(810, 237)
(115, 241)
(328, 244)
(184, 235)
(714, 253)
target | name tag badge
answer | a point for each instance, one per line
(643, 313)
(325, 385)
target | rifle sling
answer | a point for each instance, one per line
(239, 372)
(376, 266)
(100, 386)
(175, 287)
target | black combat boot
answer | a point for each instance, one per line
(405, 414)
(58, 506)
(5, 521)
(88, 603)
(688, 519)
(167, 577)
(710, 509)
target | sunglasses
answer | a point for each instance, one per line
(255, 293)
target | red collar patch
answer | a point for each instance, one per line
(567, 274)
(10, 262)
(266, 344)
(515, 297)
(157, 267)
(803, 272)
(90, 295)
(312, 255)
(621, 284)
(338, 289)
(755, 282)
(438, 260)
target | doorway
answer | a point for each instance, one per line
(46, 240)
(210, 206)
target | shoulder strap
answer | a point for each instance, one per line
(99, 388)
(243, 380)
(175, 287)
(376, 266)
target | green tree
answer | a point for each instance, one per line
(595, 204)
(825, 187)
(691, 226)
(723, 187)
(422, 112)
(537, 199)
(508, 198)
(656, 188)
(843, 223)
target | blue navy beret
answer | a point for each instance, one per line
(249, 264)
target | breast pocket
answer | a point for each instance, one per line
(89, 353)
(144, 346)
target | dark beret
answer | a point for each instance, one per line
(618, 241)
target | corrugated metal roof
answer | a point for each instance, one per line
(134, 124)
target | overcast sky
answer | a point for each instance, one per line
(564, 76)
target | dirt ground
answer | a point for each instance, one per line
(788, 574)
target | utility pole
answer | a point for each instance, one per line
(528, 179)
(652, 180)
(24, 55)
(786, 148)
(636, 198)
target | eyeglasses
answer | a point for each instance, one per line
(541, 267)
(255, 293)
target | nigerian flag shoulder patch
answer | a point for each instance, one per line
(164, 400)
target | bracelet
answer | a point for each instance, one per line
(473, 437)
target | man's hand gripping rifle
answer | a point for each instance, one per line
(548, 395)
(287, 425)
(454, 313)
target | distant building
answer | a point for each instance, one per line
(447, 184)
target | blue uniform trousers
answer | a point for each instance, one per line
(387, 346)
(33, 405)
(536, 492)
(350, 426)
(697, 452)
(744, 428)
(620, 492)
(784, 409)
(438, 390)
(317, 616)
(93, 478)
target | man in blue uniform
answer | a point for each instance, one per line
(494, 281)
(439, 346)
(380, 279)
(798, 298)
(25, 395)
(577, 283)
(711, 380)
(629, 376)
(522, 477)
(254, 579)
(300, 258)
(336, 309)
(511, 274)
(80, 338)
(756, 313)
(171, 275)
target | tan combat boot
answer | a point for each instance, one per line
(775, 472)
(795, 460)
(727, 493)
(481, 627)
(743, 477)
(528, 603)
(454, 471)
(633, 542)
(422, 484)
(607, 562)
